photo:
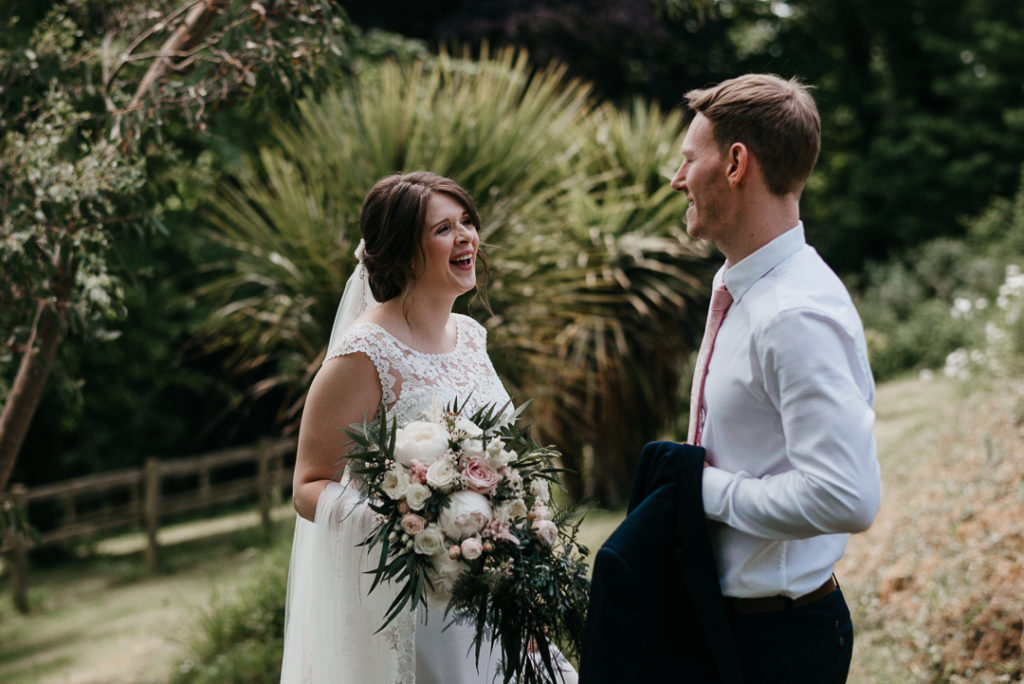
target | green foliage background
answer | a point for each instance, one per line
(203, 306)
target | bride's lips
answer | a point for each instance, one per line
(463, 261)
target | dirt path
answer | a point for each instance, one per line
(105, 622)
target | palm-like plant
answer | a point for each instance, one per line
(597, 294)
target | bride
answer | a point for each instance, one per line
(396, 340)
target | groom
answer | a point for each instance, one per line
(782, 399)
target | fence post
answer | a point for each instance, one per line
(19, 556)
(152, 507)
(263, 483)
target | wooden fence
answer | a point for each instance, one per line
(139, 498)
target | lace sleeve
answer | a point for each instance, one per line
(370, 341)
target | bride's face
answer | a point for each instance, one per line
(450, 242)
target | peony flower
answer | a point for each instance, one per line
(507, 511)
(422, 441)
(541, 490)
(416, 496)
(418, 471)
(472, 447)
(466, 514)
(413, 524)
(396, 481)
(472, 548)
(480, 476)
(442, 475)
(546, 531)
(429, 542)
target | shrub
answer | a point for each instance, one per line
(241, 640)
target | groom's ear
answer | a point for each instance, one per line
(738, 161)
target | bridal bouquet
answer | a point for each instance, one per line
(466, 521)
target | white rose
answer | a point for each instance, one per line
(421, 440)
(466, 514)
(442, 475)
(468, 427)
(396, 481)
(429, 542)
(416, 496)
(541, 491)
(507, 511)
(444, 572)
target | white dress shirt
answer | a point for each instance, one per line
(789, 402)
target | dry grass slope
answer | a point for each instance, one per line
(937, 584)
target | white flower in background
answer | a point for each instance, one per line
(961, 308)
(396, 481)
(429, 542)
(956, 364)
(466, 514)
(420, 440)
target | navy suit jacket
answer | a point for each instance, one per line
(656, 612)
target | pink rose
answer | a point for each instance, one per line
(480, 476)
(413, 524)
(418, 471)
(546, 531)
(472, 548)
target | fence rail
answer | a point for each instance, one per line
(145, 503)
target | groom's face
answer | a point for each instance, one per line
(703, 177)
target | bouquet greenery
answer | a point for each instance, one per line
(466, 521)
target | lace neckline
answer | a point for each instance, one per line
(413, 350)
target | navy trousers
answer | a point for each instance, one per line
(812, 644)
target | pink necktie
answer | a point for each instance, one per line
(720, 302)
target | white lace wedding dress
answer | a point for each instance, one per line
(332, 616)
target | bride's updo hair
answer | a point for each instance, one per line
(392, 222)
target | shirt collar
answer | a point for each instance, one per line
(742, 275)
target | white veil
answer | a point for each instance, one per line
(330, 615)
(355, 300)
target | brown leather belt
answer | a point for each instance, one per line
(777, 604)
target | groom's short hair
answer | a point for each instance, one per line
(775, 118)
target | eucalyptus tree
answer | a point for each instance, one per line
(595, 293)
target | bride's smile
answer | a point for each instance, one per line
(449, 247)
